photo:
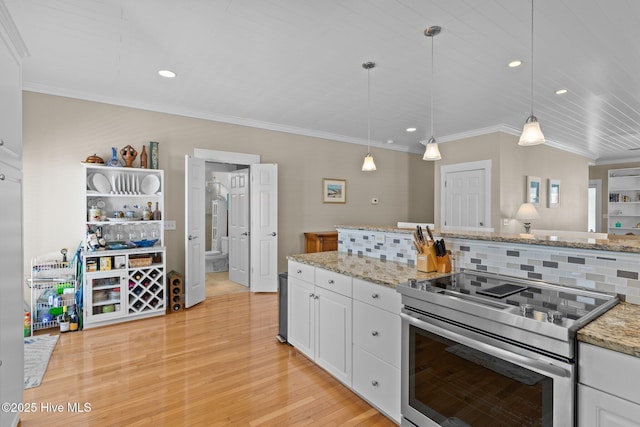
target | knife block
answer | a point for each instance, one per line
(426, 261)
(443, 263)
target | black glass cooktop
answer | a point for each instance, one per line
(538, 296)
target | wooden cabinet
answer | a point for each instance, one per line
(608, 389)
(321, 241)
(320, 316)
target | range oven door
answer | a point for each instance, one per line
(453, 376)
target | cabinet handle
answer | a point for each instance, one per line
(311, 295)
(1, 142)
(374, 333)
(316, 297)
(299, 271)
(374, 383)
(330, 281)
(374, 295)
(2, 177)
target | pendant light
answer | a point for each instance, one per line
(431, 151)
(531, 133)
(368, 165)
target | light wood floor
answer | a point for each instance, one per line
(216, 364)
(218, 283)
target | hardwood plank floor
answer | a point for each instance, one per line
(216, 364)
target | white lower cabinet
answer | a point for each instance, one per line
(600, 409)
(608, 393)
(319, 324)
(377, 381)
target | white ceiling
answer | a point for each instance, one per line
(296, 65)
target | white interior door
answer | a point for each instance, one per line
(465, 192)
(194, 228)
(239, 227)
(264, 228)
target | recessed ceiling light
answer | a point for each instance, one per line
(411, 129)
(561, 91)
(167, 73)
(514, 64)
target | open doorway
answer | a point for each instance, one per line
(251, 221)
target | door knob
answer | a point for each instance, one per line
(374, 333)
(274, 234)
(192, 237)
(246, 233)
(374, 383)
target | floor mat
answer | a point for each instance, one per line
(37, 351)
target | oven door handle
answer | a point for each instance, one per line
(517, 359)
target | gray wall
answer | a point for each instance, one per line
(61, 132)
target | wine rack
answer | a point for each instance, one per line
(146, 290)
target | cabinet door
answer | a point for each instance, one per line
(333, 341)
(104, 296)
(11, 282)
(300, 310)
(599, 409)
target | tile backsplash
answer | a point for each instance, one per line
(614, 272)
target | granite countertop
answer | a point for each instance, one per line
(613, 243)
(618, 329)
(386, 273)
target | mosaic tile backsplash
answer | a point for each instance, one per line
(615, 272)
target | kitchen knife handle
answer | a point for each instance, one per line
(430, 234)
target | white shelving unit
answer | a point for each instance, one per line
(46, 278)
(624, 201)
(124, 278)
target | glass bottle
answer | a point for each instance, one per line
(147, 215)
(64, 320)
(157, 215)
(73, 320)
(143, 157)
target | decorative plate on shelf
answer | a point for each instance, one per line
(100, 183)
(145, 243)
(150, 184)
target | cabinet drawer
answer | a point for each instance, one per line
(332, 281)
(377, 381)
(302, 271)
(610, 371)
(377, 331)
(377, 295)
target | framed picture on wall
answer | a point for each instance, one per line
(334, 190)
(533, 190)
(553, 193)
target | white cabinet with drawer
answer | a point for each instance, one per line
(608, 390)
(320, 317)
(376, 345)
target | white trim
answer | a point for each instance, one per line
(461, 167)
(227, 157)
(597, 184)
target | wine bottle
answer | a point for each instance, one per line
(64, 320)
(157, 215)
(74, 322)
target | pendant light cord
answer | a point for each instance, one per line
(532, 57)
(368, 110)
(432, 86)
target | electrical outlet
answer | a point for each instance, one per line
(380, 239)
(505, 221)
(169, 225)
(374, 201)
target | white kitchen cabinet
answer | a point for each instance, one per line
(624, 201)
(376, 346)
(125, 278)
(608, 388)
(320, 319)
(11, 224)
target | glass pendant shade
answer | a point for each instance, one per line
(368, 164)
(531, 133)
(432, 152)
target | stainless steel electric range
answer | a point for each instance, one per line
(488, 350)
